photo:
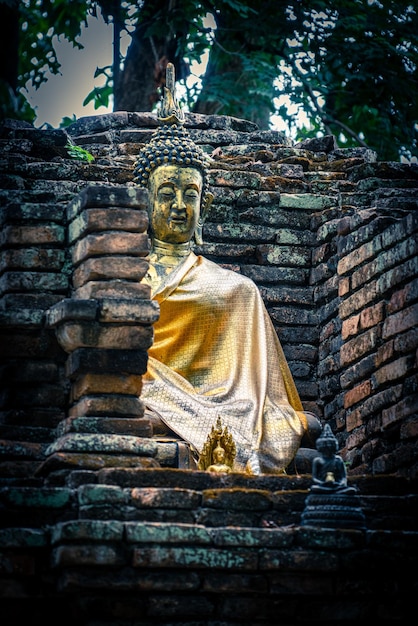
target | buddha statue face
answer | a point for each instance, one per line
(176, 196)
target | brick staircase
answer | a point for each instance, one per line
(121, 547)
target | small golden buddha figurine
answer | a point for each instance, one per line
(215, 348)
(219, 451)
(219, 466)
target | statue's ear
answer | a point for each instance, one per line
(206, 202)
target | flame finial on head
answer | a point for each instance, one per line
(170, 112)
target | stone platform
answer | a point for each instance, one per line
(123, 547)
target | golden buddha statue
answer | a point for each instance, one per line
(215, 349)
(219, 466)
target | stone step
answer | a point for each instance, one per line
(194, 497)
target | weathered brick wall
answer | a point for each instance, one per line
(367, 352)
(327, 234)
(379, 313)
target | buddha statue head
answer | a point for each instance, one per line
(327, 443)
(174, 170)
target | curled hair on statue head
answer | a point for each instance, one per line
(170, 145)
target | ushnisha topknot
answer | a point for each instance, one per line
(171, 143)
(327, 437)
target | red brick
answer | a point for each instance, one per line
(385, 352)
(401, 321)
(111, 242)
(91, 384)
(353, 420)
(328, 330)
(364, 274)
(136, 426)
(372, 315)
(399, 299)
(165, 498)
(350, 326)
(407, 341)
(231, 178)
(94, 360)
(358, 347)
(109, 218)
(357, 438)
(195, 556)
(343, 286)
(33, 281)
(398, 275)
(358, 300)
(111, 405)
(409, 429)
(392, 371)
(87, 555)
(32, 258)
(121, 289)
(100, 268)
(354, 258)
(358, 393)
(400, 411)
(27, 235)
(141, 311)
(73, 335)
(320, 254)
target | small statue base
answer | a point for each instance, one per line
(333, 510)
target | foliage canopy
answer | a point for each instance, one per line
(349, 65)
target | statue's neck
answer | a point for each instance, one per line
(164, 258)
(169, 253)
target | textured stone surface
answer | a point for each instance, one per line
(99, 268)
(108, 404)
(139, 427)
(120, 362)
(101, 546)
(89, 334)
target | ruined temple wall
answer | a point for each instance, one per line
(367, 353)
(379, 314)
(316, 228)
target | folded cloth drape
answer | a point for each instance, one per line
(216, 353)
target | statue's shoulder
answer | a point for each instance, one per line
(226, 275)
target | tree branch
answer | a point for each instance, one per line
(325, 119)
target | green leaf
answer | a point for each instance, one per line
(78, 153)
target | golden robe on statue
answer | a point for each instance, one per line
(216, 353)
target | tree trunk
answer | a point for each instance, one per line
(9, 44)
(139, 85)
